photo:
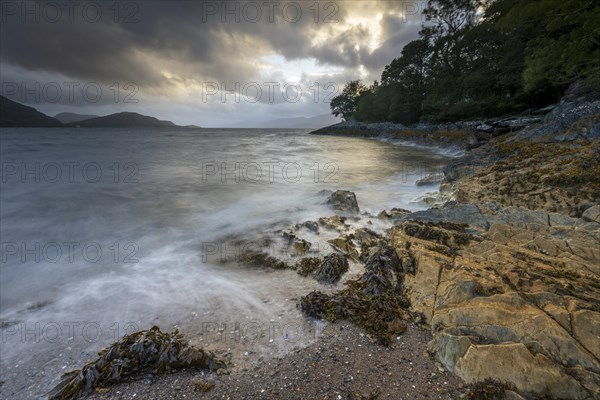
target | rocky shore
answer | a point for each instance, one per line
(507, 276)
(495, 294)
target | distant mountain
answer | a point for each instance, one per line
(13, 114)
(318, 121)
(69, 118)
(124, 120)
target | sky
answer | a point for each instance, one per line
(207, 63)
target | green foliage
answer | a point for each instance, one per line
(477, 58)
(345, 104)
(568, 44)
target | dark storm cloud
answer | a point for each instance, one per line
(199, 39)
(396, 33)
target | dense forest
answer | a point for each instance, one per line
(477, 58)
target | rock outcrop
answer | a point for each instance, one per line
(507, 275)
(513, 302)
(344, 200)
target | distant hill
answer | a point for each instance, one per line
(124, 120)
(13, 114)
(69, 118)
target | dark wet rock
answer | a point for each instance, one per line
(301, 246)
(483, 127)
(581, 101)
(430, 179)
(383, 215)
(335, 222)
(449, 234)
(394, 213)
(142, 353)
(331, 269)
(344, 245)
(345, 201)
(352, 128)
(289, 235)
(516, 123)
(4, 324)
(397, 212)
(324, 192)
(262, 260)
(310, 225)
(367, 237)
(470, 214)
(451, 212)
(544, 110)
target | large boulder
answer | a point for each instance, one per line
(344, 200)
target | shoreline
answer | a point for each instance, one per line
(343, 363)
(505, 275)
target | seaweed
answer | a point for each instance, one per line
(307, 265)
(331, 269)
(375, 301)
(259, 259)
(444, 233)
(141, 353)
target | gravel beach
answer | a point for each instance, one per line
(344, 363)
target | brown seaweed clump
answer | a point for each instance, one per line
(308, 265)
(141, 353)
(374, 302)
(262, 260)
(331, 269)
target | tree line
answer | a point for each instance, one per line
(482, 58)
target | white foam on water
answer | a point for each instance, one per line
(171, 214)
